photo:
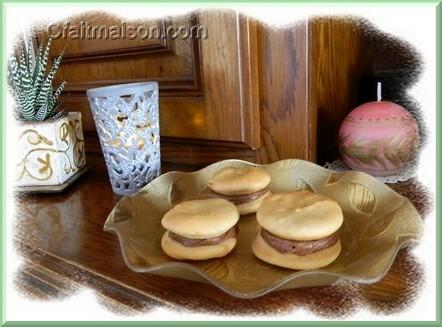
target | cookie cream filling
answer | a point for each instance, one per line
(194, 242)
(241, 198)
(300, 248)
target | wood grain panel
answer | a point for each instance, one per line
(204, 152)
(196, 152)
(338, 57)
(209, 88)
(288, 127)
(229, 79)
(98, 40)
(90, 63)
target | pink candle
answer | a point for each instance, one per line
(378, 137)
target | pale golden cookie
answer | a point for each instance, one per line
(235, 180)
(300, 216)
(201, 218)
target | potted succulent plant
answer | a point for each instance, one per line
(50, 142)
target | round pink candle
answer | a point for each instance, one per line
(378, 137)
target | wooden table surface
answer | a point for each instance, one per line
(64, 247)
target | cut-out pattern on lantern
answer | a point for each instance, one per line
(127, 121)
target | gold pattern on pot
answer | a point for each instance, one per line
(39, 138)
(37, 162)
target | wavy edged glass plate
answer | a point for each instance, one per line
(377, 223)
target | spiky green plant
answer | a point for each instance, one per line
(36, 99)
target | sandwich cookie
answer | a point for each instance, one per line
(244, 187)
(200, 229)
(298, 230)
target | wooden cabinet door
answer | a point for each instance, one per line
(209, 101)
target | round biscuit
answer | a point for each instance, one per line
(239, 180)
(201, 218)
(300, 216)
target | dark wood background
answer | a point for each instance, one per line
(247, 91)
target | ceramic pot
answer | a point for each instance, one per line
(51, 151)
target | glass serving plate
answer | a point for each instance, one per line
(377, 223)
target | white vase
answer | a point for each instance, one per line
(127, 121)
(51, 151)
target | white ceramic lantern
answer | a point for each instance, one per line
(127, 121)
